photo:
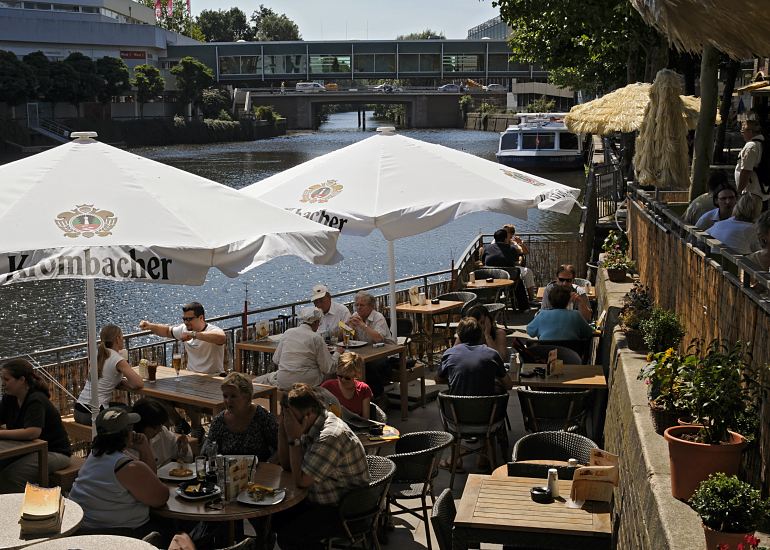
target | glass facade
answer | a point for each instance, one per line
(239, 64)
(321, 64)
(463, 63)
(374, 63)
(286, 64)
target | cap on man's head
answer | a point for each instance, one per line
(319, 291)
(310, 315)
(114, 420)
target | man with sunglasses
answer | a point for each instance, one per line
(565, 276)
(324, 456)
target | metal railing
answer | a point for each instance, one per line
(54, 127)
(607, 179)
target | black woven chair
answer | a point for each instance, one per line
(360, 509)
(490, 295)
(442, 517)
(549, 411)
(481, 417)
(582, 348)
(416, 460)
(558, 446)
(446, 323)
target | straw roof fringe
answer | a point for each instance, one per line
(738, 28)
(661, 149)
(623, 111)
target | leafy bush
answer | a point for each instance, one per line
(214, 101)
(662, 374)
(618, 261)
(661, 330)
(637, 306)
(727, 504)
(266, 112)
(224, 115)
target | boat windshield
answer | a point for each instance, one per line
(509, 141)
(539, 141)
(568, 140)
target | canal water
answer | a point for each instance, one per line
(41, 315)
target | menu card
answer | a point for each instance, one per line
(42, 510)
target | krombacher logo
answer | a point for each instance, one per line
(86, 221)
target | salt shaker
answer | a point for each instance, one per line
(573, 462)
(553, 482)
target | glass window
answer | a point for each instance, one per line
(329, 64)
(385, 62)
(88, 9)
(364, 63)
(498, 62)
(463, 63)
(10, 4)
(509, 141)
(284, 64)
(538, 141)
(430, 62)
(568, 140)
(250, 64)
(408, 62)
(229, 64)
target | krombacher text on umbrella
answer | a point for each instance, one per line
(84, 265)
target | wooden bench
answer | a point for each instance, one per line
(76, 431)
(66, 476)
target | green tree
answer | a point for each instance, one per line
(63, 84)
(115, 75)
(594, 45)
(272, 26)
(541, 105)
(192, 77)
(149, 85)
(17, 81)
(224, 25)
(213, 101)
(41, 69)
(427, 34)
(88, 83)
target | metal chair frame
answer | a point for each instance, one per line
(550, 410)
(442, 518)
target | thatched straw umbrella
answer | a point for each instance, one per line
(661, 149)
(738, 28)
(622, 111)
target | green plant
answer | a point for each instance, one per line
(618, 261)
(465, 102)
(662, 374)
(637, 306)
(714, 390)
(661, 330)
(727, 504)
(266, 112)
(615, 242)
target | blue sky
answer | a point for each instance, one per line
(368, 19)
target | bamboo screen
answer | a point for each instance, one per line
(711, 303)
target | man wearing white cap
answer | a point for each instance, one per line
(333, 312)
(302, 355)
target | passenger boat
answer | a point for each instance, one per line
(540, 140)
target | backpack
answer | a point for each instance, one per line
(762, 169)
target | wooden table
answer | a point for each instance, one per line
(10, 532)
(580, 377)
(501, 511)
(373, 446)
(368, 353)
(269, 475)
(11, 448)
(480, 284)
(421, 312)
(94, 542)
(502, 471)
(199, 390)
(590, 292)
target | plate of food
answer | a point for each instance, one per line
(176, 471)
(260, 495)
(197, 490)
(356, 343)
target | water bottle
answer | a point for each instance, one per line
(553, 482)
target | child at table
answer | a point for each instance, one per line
(352, 393)
(166, 446)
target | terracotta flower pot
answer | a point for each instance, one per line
(716, 538)
(616, 275)
(693, 462)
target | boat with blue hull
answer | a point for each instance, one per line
(540, 140)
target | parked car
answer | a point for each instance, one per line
(309, 87)
(495, 88)
(383, 88)
(450, 88)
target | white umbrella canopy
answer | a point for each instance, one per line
(404, 187)
(87, 210)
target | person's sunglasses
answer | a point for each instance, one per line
(188, 319)
(563, 280)
(343, 377)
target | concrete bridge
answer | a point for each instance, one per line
(424, 109)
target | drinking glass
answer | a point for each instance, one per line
(200, 467)
(345, 338)
(333, 337)
(176, 362)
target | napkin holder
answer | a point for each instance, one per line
(414, 295)
(597, 480)
(555, 366)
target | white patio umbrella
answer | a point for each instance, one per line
(403, 187)
(87, 210)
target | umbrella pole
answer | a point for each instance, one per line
(392, 270)
(93, 371)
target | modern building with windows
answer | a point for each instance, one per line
(494, 29)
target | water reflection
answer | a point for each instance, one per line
(40, 315)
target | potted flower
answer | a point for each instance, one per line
(661, 330)
(730, 510)
(637, 306)
(616, 242)
(713, 391)
(617, 265)
(662, 374)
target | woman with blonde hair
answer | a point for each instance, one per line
(243, 427)
(114, 372)
(762, 256)
(737, 232)
(352, 393)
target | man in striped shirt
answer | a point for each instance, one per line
(325, 457)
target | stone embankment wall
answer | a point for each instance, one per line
(493, 122)
(645, 515)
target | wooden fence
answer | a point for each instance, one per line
(711, 294)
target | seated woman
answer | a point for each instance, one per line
(493, 336)
(114, 372)
(762, 256)
(559, 323)
(116, 491)
(737, 231)
(243, 427)
(166, 446)
(27, 414)
(352, 394)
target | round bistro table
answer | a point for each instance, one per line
(10, 532)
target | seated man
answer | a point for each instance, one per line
(724, 199)
(470, 367)
(527, 277)
(372, 327)
(503, 254)
(557, 322)
(578, 300)
(703, 203)
(324, 456)
(333, 312)
(301, 355)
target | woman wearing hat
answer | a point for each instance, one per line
(302, 355)
(115, 490)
